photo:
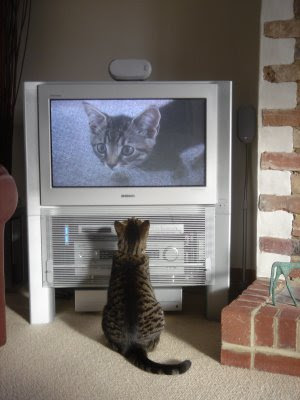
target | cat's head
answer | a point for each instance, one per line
(132, 235)
(121, 141)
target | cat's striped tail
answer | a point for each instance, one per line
(138, 356)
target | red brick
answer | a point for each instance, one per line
(260, 283)
(240, 302)
(261, 294)
(264, 326)
(235, 358)
(290, 247)
(278, 364)
(260, 287)
(252, 298)
(295, 180)
(287, 325)
(295, 273)
(236, 322)
(254, 291)
(280, 161)
(281, 117)
(296, 226)
(293, 310)
(269, 202)
(276, 245)
(282, 29)
(282, 73)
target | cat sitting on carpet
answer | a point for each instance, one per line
(132, 318)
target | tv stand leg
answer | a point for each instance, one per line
(217, 294)
(42, 299)
(42, 305)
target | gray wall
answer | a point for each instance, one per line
(183, 39)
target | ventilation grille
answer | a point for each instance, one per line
(78, 244)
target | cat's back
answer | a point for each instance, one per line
(130, 283)
(132, 308)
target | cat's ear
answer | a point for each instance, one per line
(148, 121)
(119, 227)
(96, 118)
(145, 227)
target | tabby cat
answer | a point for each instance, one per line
(132, 318)
(121, 141)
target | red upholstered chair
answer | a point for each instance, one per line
(8, 204)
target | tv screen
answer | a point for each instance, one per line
(128, 142)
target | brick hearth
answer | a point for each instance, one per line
(258, 335)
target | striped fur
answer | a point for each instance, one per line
(132, 318)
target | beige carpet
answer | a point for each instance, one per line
(68, 359)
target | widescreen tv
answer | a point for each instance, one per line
(128, 143)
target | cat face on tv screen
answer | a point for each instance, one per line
(121, 143)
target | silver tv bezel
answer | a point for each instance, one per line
(53, 196)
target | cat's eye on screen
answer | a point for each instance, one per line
(101, 148)
(127, 150)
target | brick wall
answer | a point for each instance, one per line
(281, 243)
(258, 335)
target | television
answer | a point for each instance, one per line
(101, 151)
(120, 143)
